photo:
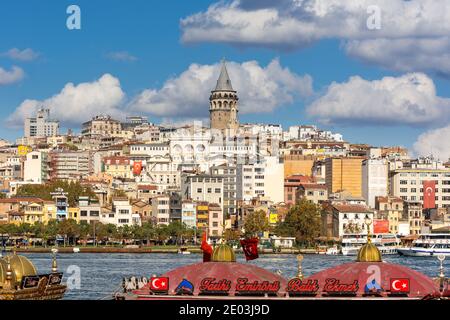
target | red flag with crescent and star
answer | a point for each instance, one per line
(159, 284)
(206, 248)
(250, 248)
(429, 194)
(400, 285)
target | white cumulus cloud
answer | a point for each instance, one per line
(21, 55)
(9, 77)
(435, 142)
(75, 104)
(260, 89)
(408, 99)
(412, 35)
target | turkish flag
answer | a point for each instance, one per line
(206, 248)
(158, 284)
(137, 168)
(429, 194)
(250, 248)
(399, 285)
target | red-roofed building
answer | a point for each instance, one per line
(118, 167)
(343, 218)
(291, 183)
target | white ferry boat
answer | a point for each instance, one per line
(428, 245)
(387, 243)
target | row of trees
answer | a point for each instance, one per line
(302, 222)
(73, 232)
(74, 190)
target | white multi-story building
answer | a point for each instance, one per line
(160, 210)
(41, 125)
(90, 211)
(351, 219)
(36, 167)
(261, 179)
(407, 183)
(202, 187)
(123, 213)
(374, 180)
(189, 213)
(151, 150)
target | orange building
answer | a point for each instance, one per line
(344, 174)
(298, 165)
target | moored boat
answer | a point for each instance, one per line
(428, 245)
(386, 243)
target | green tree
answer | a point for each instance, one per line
(84, 229)
(69, 229)
(231, 235)
(256, 222)
(74, 190)
(302, 222)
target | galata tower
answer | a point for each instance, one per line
(223, 103)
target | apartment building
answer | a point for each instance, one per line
(203, 187)
(101, 125)
(413, 213)
(118, 167)
(123, 213)
(313, 192)
(351, 219)
(41, 125)
(264, 179)
(215, 221)
(70, 165)
(391, 208)
(291, 185)
(407, 184)
(89, 210)
(228, 173)
(160, 209)
(344, 174)
(374, 180)
(36, 167)
(189, 213)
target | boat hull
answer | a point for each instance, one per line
(411, 252)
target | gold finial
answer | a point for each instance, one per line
(8, 280)
(369, 236)
(300, 269)
(369, 252)
(54, 264)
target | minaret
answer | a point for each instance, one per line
(223, 103)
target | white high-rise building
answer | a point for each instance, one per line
(41, 125)
(265, 179)
(36, 167)
(374, 180)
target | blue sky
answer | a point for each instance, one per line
(151, 32)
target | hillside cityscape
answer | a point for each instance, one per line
(225, 179)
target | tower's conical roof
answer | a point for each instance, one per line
(224, 82)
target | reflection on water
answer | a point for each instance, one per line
(102, 273)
